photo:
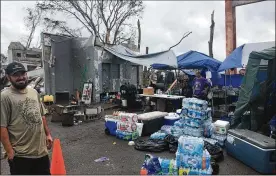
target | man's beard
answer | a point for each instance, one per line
(20, 86)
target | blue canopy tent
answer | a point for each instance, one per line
(197, 60)
(234, 60)
(189, 72)
(162, 67)
(239, 57)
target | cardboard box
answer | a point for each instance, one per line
(148, 91)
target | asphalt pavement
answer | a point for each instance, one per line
(84, 143)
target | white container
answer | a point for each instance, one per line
(139, 128)
(221, 127)
(124, 103)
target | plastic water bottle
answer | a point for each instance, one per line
(184, 103)
(175, 168)
(178, 159)
(209, 171)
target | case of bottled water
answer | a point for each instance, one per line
(192, 122)
(180, 123)
(166, 129)
(208, 128)
(220, 137)
(194, 103)
(193, 171)
(190, 131)
(190, 145)
(193, 161)
(158, 135)
(165, 165)
(168, 166)
(176, 131)
(126, 135)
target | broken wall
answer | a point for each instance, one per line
(70, 62)
(61, 51)
(56, 62)
(116, 72)
(84, 56)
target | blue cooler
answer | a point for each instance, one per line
(111, 126)
(169, 120)
(253, 149)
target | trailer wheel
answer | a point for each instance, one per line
(107, 132)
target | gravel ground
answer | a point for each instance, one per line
(84, 143)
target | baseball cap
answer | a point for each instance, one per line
(14, 67)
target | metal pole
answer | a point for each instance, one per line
(225, 88)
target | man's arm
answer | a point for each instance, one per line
(49, 139)
(45, 125)
(5, 116)
(6, 142)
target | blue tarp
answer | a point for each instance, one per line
(162, 67)
(235, 80)
(189, 72)
(234, 60)
(197, 60)
(239, 57)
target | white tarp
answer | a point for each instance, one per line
(165, 57)
(248, 48)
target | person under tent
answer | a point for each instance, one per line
(201, 86)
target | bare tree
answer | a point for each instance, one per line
(210, 42)
(139, 34)
(104, 19)
(60, 27)
(32, 20)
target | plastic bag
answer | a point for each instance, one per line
(173, 143)
(151, 145)
(215, 151)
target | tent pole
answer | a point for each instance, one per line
(225, 93)
(230, 101)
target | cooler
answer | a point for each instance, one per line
(253, 149)
(110, 126)
(153, 121)
(169, 120)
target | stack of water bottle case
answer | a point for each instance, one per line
(195, 119)
(127, 126)
(191, 158)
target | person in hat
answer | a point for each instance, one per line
(24, 131)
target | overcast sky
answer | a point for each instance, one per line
(165, 22)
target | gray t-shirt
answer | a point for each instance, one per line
(21, 114)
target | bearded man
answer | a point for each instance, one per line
(24, 131)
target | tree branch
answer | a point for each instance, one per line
(94, 15)
(180, 40)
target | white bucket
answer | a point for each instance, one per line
(124, 103)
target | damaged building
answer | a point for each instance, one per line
(70, 62)
(29, 57)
